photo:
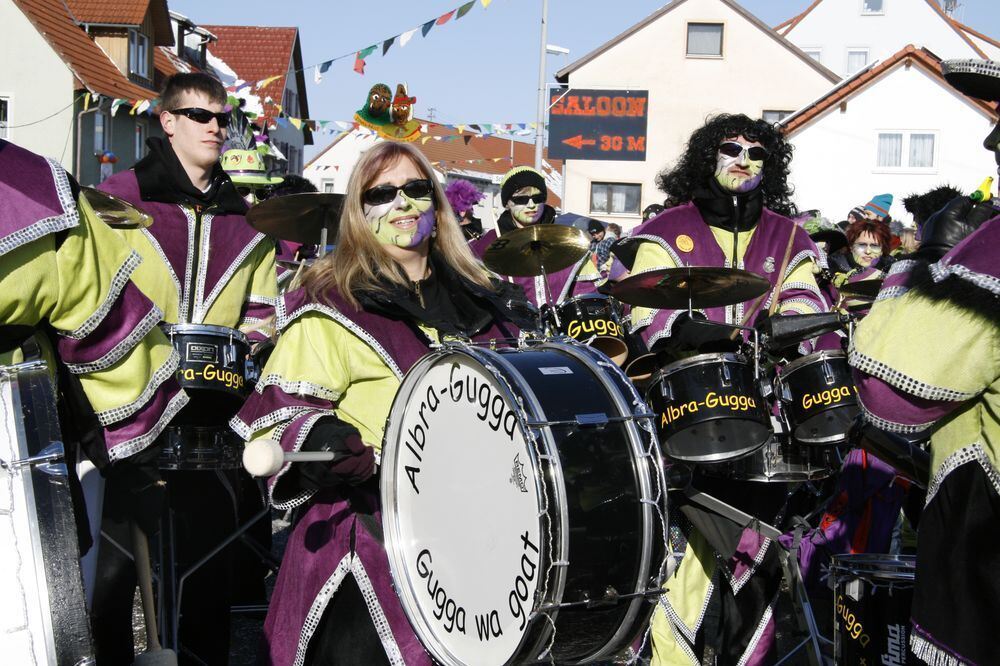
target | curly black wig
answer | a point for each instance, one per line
(697, 165)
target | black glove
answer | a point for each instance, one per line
(949, 226)
(135, 490)
(353, 463)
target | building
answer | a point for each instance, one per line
(848, 35)
(78, 48)
(867, 136)
(481, 160)
(695, 58)
(256, 53)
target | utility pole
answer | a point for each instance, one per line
(540, 116)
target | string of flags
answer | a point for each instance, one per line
(438, 163)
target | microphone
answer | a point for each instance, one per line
(265, 457)
(784, 330)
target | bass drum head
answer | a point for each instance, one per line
(466, 556)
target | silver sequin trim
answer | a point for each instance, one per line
(892, 426)
(931, 654)
(689, 632)
(811, 306)
(296, 387)
(319, 604)
(203, 262)
(972, 453)
(805, 286)
(233, 267)
(124, 346)
(665, 245)
(904, 382)
(940, 271)
(737, 585)
(118, 283)
(755, 639)
(183, 314)
(162, 374)
(305, 495)
(133, 446)
(69, 218)
(891, 292)
(163, 257)
(246, 430)
(681, 641)
(377, 614)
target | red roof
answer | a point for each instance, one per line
(91, 66)
(258, 52)
(125, 12)
(908, 55)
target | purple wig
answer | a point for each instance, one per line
(462, 195)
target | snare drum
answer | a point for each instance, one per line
(781, 460)
(872, 598)
(213, 369)
(523, 505)
(709, 408)
(201, 448)
(595, 320)
(818, 396)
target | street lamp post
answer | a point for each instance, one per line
(540, 116)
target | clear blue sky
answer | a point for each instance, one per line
(483, 68)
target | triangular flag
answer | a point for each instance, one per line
(317, 76)
(387, 43)
(486, 3)
(144, 106)
(325, 66)
(296, 123)
(264, 82)
(134, 107)
(423, 128)
(444, 18)
(86, 101)
(467, 139)
(406, 37)
(497, 159)
(424, 139)
(460, 128)
(277, 106)
(426, 27)
(464, 9)
(359, 61)
(475, 127)
(336, 167)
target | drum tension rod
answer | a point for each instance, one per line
(610, 598)
(50, 454)
(599, 420)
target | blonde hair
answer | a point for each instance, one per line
(359, 262)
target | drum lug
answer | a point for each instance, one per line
(786, 393)
(828, 374)
(599, 419)
(50, 460)
(229, 354)
(666, 390)
(727, 378)
(766, 387)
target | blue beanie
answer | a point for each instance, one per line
(880, 205)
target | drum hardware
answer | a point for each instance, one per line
(591, 420)
(784, 330)
(115, 212)
(818, 398)
(310, 218)
(861, 289)
(43, 461)
(688, 287)
(610, 598)
(908, 458)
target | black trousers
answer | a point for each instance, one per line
(204, 510)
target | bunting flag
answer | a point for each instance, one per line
(405, 38)
(444, 18)
(359, 62)
(426, 27)
(486, 3)
(464, 9)
(386, 44)
(263, 83)
(317, 76)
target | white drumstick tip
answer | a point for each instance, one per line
(263, 457)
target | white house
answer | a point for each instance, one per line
(695, 58)
(896, 127)
(847, 35)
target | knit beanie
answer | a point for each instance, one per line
(880, 205)
(518, 177)
(595, 227)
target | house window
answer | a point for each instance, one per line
(101, 130)
(291, 104)
(328, 186)
(772, 117)
(906, 150)
(138, 53)
(140, 139)
(704, 39)
(857, 59)
(615, 198)
(872, 7)
(814, 53)
(4, 117)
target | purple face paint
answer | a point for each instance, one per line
(426, 224)
(749, 183)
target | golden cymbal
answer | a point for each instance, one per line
(526, 252)
(298, 217)
(113, 211)
(705, 286)
(861, 289)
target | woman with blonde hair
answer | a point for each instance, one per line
(400, 279)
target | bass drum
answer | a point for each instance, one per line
(523, 505)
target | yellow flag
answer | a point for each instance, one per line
(424, 139)
(460, 128)
(134, 107)
(296, 122)
(264, 82)
(486, 3)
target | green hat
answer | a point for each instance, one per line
(246, 167)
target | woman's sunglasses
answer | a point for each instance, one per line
(383, 194)
(203, 116)
(523, 199)
(733, 149)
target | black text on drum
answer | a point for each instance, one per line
(449, 613)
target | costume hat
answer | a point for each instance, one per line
(880, 205)
(518, 177)
(974, 77)
(246, 167)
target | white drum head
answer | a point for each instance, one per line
(461, 506)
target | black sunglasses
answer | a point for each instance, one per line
(733, 149)
(203, 116)
(523, 199)
(383, 194)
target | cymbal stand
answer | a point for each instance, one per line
(321, 251)
(536, 248)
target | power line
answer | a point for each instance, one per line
(42, 120)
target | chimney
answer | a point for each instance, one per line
(950, 6)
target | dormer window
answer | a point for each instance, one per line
(872, 7)
(138, 54)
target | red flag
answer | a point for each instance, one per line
(444, 18)
(359, 64)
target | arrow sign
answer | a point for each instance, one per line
(579, 142)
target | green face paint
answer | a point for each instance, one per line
(403, 222)
(529, 213)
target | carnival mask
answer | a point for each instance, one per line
(739, 165)
(407, 219)
(379, 99)
(526, 205)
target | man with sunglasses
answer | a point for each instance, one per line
(728, 204)
(202, 264)
(523, 193)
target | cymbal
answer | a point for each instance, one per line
(524, 252)
(115, 212)
(298, 217)
(861, 288)
(707, 287)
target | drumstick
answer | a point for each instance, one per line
(777, 287)
(265, 457)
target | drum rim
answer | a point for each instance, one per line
(809, 359)
(882, 566)
(596, 295)
(205, 329)
(387, 491)
(701, 359)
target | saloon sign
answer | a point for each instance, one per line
(598, 124)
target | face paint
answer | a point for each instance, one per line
(529, 213)
(866, 250)
(403, 222)
(738, 174)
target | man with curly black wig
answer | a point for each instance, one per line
(728, 203)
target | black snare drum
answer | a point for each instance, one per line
(872, 598)
(595, 319)
(213, 370)
(819, 398)
(781, 460)
(709, 408)
(201, 448)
